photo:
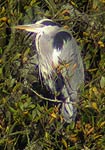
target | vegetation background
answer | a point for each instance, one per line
(27, 119)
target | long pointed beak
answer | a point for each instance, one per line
(30, 27)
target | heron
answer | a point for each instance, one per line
(60, 63)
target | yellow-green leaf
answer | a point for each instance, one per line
(64, 142)
(94, 105)
(102, 82)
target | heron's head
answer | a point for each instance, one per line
(45, 25)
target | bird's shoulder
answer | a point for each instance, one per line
(60, 37)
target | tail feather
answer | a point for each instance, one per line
(68, 98)
(69, 110)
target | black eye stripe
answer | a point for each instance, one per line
(48, 22)
(59, 39)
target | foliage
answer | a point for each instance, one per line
(28, 121)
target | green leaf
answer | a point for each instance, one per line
(1, 50)
(17, 56)
(1, 71)
(102, 82)
(12, 109)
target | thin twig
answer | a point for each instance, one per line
(44, 98)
